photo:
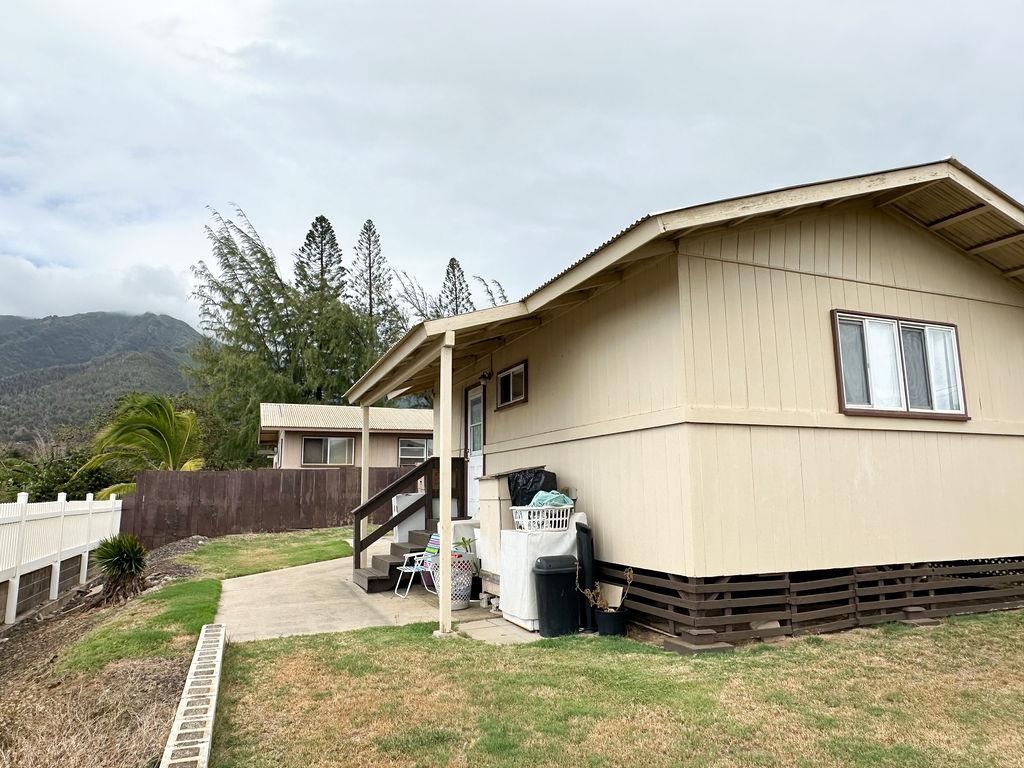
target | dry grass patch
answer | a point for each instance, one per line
(950, 696)
(83, 720)
(52, 716)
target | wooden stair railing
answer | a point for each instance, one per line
(407, 483)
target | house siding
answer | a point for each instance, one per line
(598, 377)
(780, 480)
(383, 448)
(695, 405)
(767, 499)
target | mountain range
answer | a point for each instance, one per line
(59, 371)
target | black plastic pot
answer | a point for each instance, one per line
(611, 622)
(476, 588)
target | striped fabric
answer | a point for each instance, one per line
(432, 548)
(434, 545)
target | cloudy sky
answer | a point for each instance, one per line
(513, 135)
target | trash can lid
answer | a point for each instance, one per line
(555, 564)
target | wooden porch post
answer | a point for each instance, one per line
(364, 480)
(444, 451)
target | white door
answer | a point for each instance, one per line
(474, 449)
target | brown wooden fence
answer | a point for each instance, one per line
(168, 506)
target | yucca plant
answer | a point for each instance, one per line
(122, 558)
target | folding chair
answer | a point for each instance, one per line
(419, 562)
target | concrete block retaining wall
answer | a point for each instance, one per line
(34, 589)
(188, 746)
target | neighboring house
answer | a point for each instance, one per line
(305, 436)
(795, 411)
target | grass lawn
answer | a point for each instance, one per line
(166, 622)
(161, 623)
(230, 556)
(895, 696)
(99, 688)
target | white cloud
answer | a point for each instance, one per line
(515, 136)
(68, 290)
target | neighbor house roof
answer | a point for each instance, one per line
(945, 198)
(341, 418)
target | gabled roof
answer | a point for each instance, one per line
(945, 198)
(343, 418)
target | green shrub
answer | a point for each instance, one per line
(122, 558)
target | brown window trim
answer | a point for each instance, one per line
(526, 386)
(907, 414)
(320, 436)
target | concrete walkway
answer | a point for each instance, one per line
(320, 597)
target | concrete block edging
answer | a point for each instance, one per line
(188, 745)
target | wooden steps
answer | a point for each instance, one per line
(383, 571)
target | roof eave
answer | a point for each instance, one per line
(381, 378)
(368, 389)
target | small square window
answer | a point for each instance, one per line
(511, 386)
(414, 450)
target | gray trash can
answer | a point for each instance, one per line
(557, 600)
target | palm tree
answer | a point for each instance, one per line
(146, 433)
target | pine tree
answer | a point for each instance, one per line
(371, 294)
(372, 279)
(318, 266)
(455, 298)
(321, 314)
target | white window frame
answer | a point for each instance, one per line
(898, 325)
(509, 373)
(328, 463)
(418, 458)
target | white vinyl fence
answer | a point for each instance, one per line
(33, 536)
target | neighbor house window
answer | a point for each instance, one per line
(511, 386)
(414, 450)
(328, 451)
(896, 366)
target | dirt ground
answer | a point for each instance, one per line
(116, 718)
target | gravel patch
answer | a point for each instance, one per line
(163, 564)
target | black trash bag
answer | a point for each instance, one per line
(525, 484)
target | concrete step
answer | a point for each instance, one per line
(685, 648)
(372, 580)
(698, 636)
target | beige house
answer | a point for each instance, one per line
(794, 411)
(305, 436)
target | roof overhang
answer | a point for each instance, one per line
(945, 198)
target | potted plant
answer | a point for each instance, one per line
(610, 621)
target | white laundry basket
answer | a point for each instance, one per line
(541, 518)
(463, 571)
